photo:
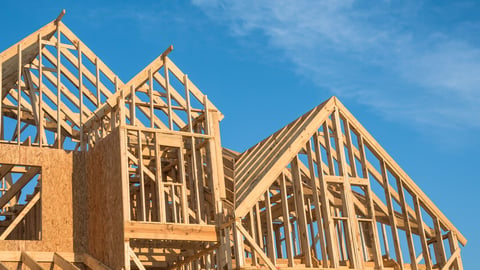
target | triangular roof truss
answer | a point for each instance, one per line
(345, 199)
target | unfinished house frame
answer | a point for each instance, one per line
(96, 173)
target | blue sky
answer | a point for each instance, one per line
(408, 70)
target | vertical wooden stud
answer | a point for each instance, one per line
(286, 221)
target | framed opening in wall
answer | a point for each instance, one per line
(20, 202)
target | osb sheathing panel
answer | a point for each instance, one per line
(59, 170)
(105, 221)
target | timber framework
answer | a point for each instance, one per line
(97, 173)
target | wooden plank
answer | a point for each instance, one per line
(301, 215)
(371, 207)
(19, 90)
(30, 262)
(20, 216)
(391, 215)
(2, 266)
(269, 225)
(188, 105)
(286, 221)
(408, 230)
(42, 137)
(39, 256)
(160, 189)
(353, 236)
(316, 201)
(80, 98)
(183, 181)
(351, 155)
(253, 233)
(59, 92)
(453, 243)
(150, 94)
(135, 259)
(93, 263)
(328, 222)
(63, 263)
(239, 247)
(257, 249)
(438, 244)
(186, 232)
(169, 95)
(33, 100)
(142, 180)
(97, 81)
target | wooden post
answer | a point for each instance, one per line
(349, 209)
(316, 199)
(187, 99)
(269, 224)
(97, 83)
(141, 202)
(253, 232)
(258, 222)
(453, 243)
(59, 91)
(80, 90)
(438, 244)
(133, 97)
(239, 249)
(391, 215)
(41, 119)
(386, 246)
(408, 229)
(159, 181)
(150, 93)
(183, 202)
(19, 96)
(286, 221)
(167, 89)
(328, 222)
(301, 216)
(371, 207)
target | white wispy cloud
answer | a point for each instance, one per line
(380, 54)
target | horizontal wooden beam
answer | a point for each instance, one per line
(15, 256)
(183, 232)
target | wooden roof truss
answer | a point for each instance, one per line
(50, 92)
(322, 193)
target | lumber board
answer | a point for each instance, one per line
(93, 263)
(30, 262)
(186, 232)
(63, 263)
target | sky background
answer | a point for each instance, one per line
(409, 71)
